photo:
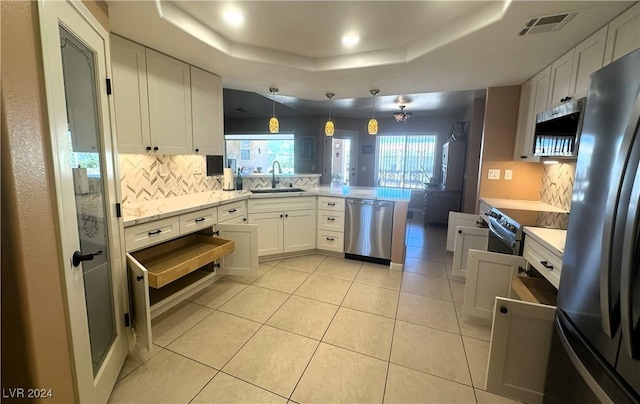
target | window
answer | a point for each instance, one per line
(255, 153)
(403, 159)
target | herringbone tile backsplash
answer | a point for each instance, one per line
(141, 179)
(556, 190)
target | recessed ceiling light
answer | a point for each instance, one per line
(350, 39)
(233, 17)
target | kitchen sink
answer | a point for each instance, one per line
(275, 190)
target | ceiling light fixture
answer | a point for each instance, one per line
(233, 17)
(274, 125)
(372, 127)
(402, 116)
(350, 40)
(329, 129)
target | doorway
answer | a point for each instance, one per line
(341, 158)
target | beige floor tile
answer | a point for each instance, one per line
(255, 303)
(165, 378)
(366, 333)
(426, 286)
(282, 279)
(339, 268)
(336, 375)
(447, 256)
(484, 397)
(137, 357)
(215, 339)
(176, 321)
(432, 351)
(379, 276)
(305, 263)
(372, 299)
(228, 389)
(457, 290)
(273, 262)
(415, 240)
(472, 326)
(273, 359)
(304, 316)
(428, 252)
(410, 386)
(433, 269)
(478, 358)
(427, 311)
(263, 268)
(218, 293)
(323, 288)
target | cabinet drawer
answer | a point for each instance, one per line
(231, 210)
(328, 203)
(194, 221)
(543, 260)
(174, 259)
(330, 241)
(147, 234)
(280, 204)
(330, 220)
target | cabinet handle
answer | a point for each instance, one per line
(156, 148)
(200, 219)
(523, 157)
(286, 215)
(503, 310)
(153, 233)
(331, 218)
(331, 204)
(281, 215)
(148, 148)
(330, 239)
(459, 231)
(233, 210)
(244, 219)
(546, 265)
(139, 278)
(197, 150)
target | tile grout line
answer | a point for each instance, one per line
(393, 335)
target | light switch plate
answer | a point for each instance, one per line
(494, 174)
(508, 174)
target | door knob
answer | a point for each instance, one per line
(78, 257)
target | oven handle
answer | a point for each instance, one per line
(497, 234)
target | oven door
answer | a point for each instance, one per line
(501, 241)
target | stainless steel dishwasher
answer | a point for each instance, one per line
(368, 228)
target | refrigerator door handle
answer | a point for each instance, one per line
(630, 245)
(614, 222)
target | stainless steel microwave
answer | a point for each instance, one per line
(557, 130)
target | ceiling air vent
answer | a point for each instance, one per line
(547, 23)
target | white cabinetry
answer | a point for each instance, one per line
(560, 79)
(623, 37)
(330, 235)
(169, 86)
(538, 93)
(468, 238)
(284, 224)
(207, 112)
(588, 57)
(458, 219)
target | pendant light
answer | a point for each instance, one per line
(372, 127)
(274, 125)
(329, 129)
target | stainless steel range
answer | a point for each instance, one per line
(505, 232)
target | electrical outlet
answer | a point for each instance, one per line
(508, 174)
(494, 174)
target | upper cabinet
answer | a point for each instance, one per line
(163, 105)
(623, 34)
(587, 58)
(207, 112)
(533, 99)
(560, 79)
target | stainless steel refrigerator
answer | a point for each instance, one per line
(597, 329)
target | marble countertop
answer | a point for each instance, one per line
(147, 211)
(520, 204)
(553, 239)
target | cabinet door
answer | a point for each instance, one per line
(623, 37)
(588, 57)
(540, 88)
(457, 219)
(169, 85)
(244, 259)
(139, 286)
(519, 350)
(526, 117)
(129, 67)
(207, 112)
(270, 232)
(467, 238)
(560, 79)
(488, 276)
(299, 230)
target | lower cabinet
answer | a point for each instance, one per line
(164, 274)
(457, 219)
(467, 239)
(330, 236)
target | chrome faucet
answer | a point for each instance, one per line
(273, 173)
